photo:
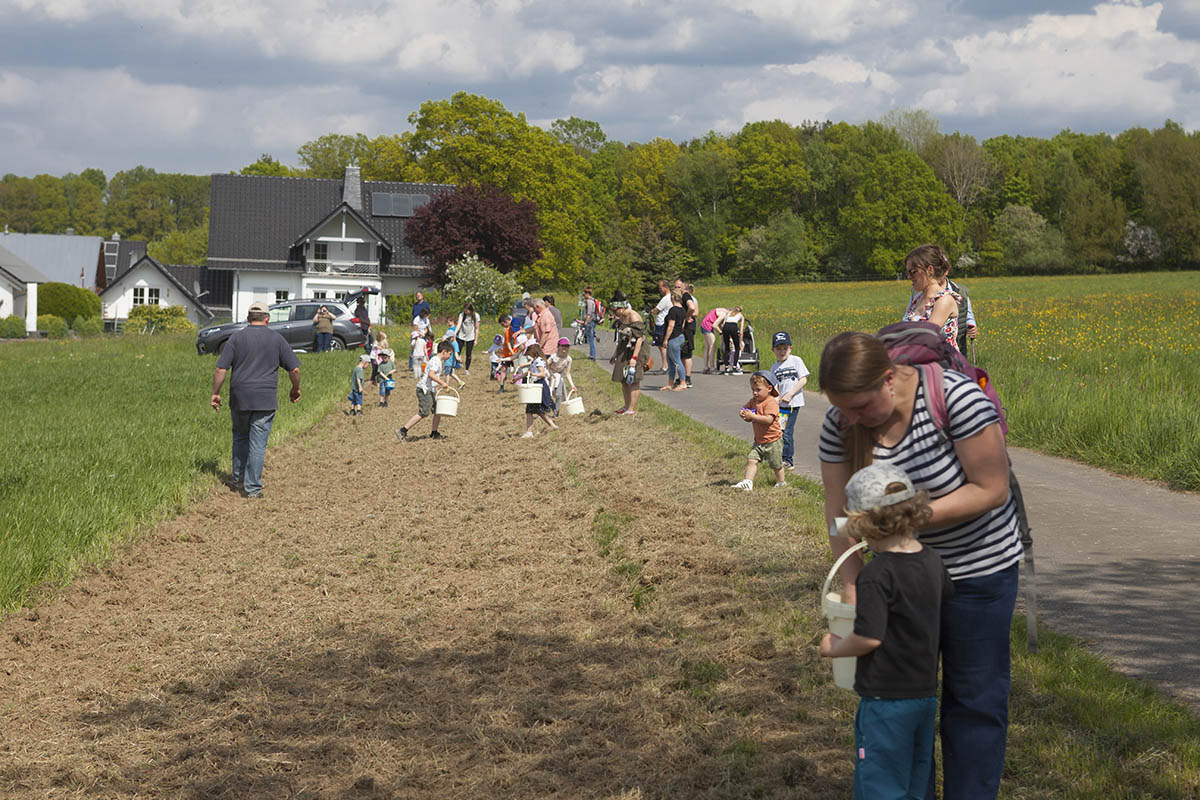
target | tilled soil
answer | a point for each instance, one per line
(590, 613)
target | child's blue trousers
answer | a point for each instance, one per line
(893, 747)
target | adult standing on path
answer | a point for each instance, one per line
(255, 354)
(731, 335)
(591, 316)
(324, 327)
(544, 329)
(553, 309)
(692, 310)
(660, 323)
(466, 330)
(673, 336)
(880, 412)
(628, 359)
(709, 326)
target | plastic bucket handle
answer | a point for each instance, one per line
(837, 565)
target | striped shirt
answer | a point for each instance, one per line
(981, 546)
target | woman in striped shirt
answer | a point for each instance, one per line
(879, 412)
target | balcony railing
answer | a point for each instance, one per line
(343, 267)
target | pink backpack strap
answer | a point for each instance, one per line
(935, 396)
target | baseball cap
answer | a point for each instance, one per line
(564, 341)
(869, 487)
(364, 357)
(781, 338)
(257, 308)
(497, 339)
(769, 377)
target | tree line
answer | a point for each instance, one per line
(771, 202)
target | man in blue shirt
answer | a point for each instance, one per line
(255, 354)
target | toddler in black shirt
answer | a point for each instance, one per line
(895, 639)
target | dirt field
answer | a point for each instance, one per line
(591, 613)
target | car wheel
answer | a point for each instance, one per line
(337, 343)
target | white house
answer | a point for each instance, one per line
(18, 288)
(273, 239)
(148, 282)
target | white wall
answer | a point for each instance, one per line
(118, 300)
(7, 291)
(251, 286)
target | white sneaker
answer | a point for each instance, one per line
(744, 485)
(527, 435)
(781, 485)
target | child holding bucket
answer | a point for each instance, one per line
(559, 366)
(896, 633)
(427, 388)
(387, 374)
(536, 372)
(356, 385)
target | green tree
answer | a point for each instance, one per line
(328, 156)
(1094, 225)
(267, 165)
(472, 280)
(701, 183)
(86, 202)
(53, 214)
(95, 177)
(645, 192)
(778, 251)
(960, 164)
(1168, 163)
(387, 158)
(916, 127)
(1029, 243)
(182, 247)
(18, 203)
(771, 176)
(581, 135)
(899, 205)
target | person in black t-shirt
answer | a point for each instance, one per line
(895, 639)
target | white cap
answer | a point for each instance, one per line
(868, 488)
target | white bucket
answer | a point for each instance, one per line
(447, 406)
(841, 621)
(529, 393)
(572, 405)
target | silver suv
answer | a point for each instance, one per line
(293, 320)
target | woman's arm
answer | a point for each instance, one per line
(670, 327)
(943, 308)
(984, 461)
(834, 477)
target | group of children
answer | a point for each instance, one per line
(900, 593)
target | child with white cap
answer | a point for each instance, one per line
(896, 633)
(357, 381)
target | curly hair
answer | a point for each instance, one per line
(905, 517)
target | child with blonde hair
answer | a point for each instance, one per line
(762, 410)
(559, 366)
(896, 634)
(536, 371)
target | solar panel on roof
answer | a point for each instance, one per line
(419, 200)
(402, 205)
(381, 204)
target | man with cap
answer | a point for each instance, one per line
(791, 375)
(255, 354)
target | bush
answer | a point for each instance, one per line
(12, 327)
(91, 326)
(53, 326)
(159, 319)
(471, 280)
(67, 301)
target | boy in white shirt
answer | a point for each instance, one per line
(427, 387)
(791, 373)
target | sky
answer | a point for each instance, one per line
(201, 86)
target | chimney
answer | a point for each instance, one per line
(116, 237)
(70, 231)
(352, 189)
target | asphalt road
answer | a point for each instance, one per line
(1116, 558)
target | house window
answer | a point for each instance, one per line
(139, 295)
(281, 295)
(152, 296)
(321, 251)
(319, 295)
(340, 296)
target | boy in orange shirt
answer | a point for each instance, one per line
(763, 412)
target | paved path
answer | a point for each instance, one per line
(1117, 558)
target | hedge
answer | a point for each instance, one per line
(67, 301)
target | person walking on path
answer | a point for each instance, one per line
(323, 323)
(881, 412)
(711, 323)
(674, 337)
(591, 316)
(692, 310)
(466, 330)
(628, 359)
(255, 354)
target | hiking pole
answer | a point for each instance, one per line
(1029, 578)
(973, 361)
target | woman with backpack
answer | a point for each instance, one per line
(883, 411)
(932, 298)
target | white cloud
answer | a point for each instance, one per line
(830, 20)
(841, 69)
(601, 89)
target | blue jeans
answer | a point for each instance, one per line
(789, 434)
(893, 747)
(589, 331)
(674, 360)
(251, 429)
(975, 685)
(323, 341)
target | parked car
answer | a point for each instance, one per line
(293, 319)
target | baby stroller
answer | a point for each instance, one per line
(580, 333)
(747, 357)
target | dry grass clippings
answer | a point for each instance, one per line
(585, 614)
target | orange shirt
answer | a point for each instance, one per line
(506, 346)
(767, 432)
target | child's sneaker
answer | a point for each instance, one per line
(402, 434)
(527, 435)
(788, 466)
(781, 485)
(436, 435)
(744, 485)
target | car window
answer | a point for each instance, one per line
(306, 311)
(336, 309)
(280, 314)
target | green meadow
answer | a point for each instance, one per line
(1101, 369)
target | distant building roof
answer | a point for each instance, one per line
(60, 257)
(255, 220)
(181, 276)
(14, 265)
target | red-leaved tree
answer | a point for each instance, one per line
(481, 220)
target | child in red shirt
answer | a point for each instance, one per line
(763, 411)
